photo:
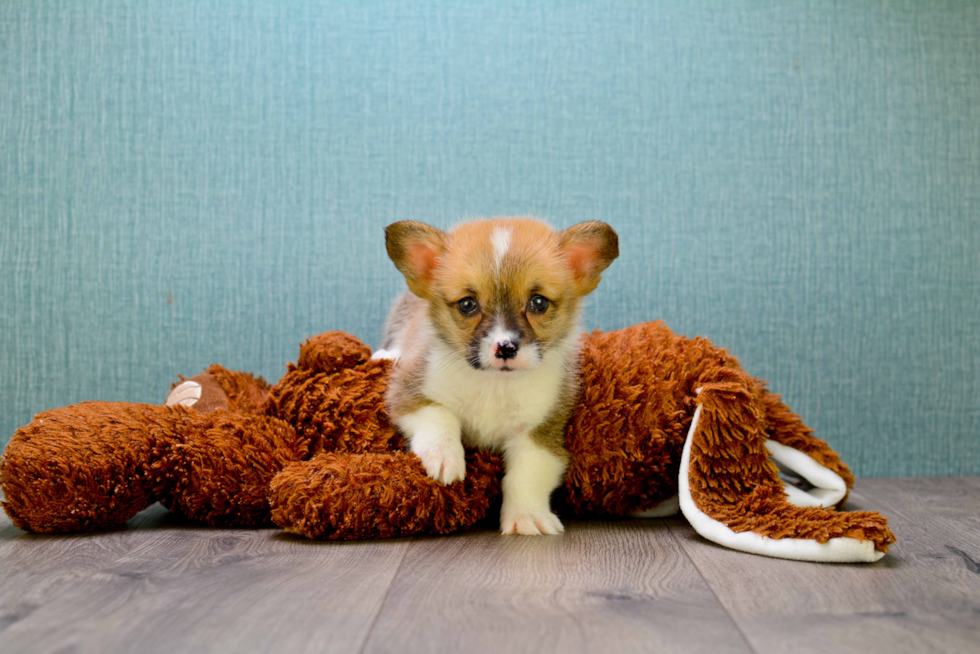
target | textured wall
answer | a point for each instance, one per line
(194, 181)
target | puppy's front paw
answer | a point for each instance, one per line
(444, 462)
(434, 434)
(530, 523)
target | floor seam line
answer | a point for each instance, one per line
(384, 600)
(731, 617)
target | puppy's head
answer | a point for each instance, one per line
(502, 292)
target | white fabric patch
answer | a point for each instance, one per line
(670, 506)
(829, 487)
(185, 394)
(836, 550)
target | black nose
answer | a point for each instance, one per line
(506, 350)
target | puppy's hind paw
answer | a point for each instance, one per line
(536, 523)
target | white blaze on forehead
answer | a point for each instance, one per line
(501, 243)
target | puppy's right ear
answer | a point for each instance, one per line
(415, 249)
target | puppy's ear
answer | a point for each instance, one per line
(589, 248)
(415, 248)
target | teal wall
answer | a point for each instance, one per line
(188, 182)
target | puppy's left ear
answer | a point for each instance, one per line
(415, 249)
(589, 248)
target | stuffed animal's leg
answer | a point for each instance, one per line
(95, 465)
(731, 492)
(89, 466)
(342, 496)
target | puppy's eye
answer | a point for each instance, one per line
(467, 306)
(538, 304)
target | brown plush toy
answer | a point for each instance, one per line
(662, 422)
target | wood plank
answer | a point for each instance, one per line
(924, 596)
(163, 585)
(36, 569)
(619, 586)
(183, 588)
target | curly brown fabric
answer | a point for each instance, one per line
(317, 450)
(223, 468)
(246, 393)
(787, 428)
(339, 412)
(733, 481)
(97, 464)
(341, 496)
(332, 352)
(639, 391)
(85, 469)
(635, 408)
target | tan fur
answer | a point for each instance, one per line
(404, 324)
(534, 263)
(443, 268)
(550, 434)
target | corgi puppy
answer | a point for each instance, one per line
(486, 349)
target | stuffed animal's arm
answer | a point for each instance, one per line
(344, 496)
(331, 352)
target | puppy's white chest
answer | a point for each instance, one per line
(495, 408)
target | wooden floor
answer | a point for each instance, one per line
(616, 586)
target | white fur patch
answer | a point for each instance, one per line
(496, 406)
(434, 435)
(500, 239)
(532, 472)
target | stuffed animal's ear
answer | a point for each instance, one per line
(415, 249)
(589, 248)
